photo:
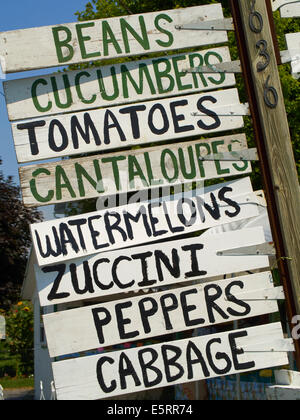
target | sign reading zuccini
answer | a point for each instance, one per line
(58, 45)
(114, 84)
(90, 177)
(140, 223)
(126, 126)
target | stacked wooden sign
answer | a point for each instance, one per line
(107, 252)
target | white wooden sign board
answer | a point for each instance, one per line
(141, 169)
(156, 314)
(293, 45)
(171, 363)
(112, 272)
(140, 223)
(114, 84)
(126, 126)
(62, 45)
(2, 328)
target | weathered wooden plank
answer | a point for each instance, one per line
(101, 376)
(55, 285)
(140, 223)
(79, 42)
(124, 126)
(141, 169)
(149, 316)
(280, 167)
(114, 84)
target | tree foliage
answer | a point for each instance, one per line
(15, 240)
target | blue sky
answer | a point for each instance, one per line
(20, 14)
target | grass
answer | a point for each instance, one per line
(13, 383)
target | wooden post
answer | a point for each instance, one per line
(274, 146)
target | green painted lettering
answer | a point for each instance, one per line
(169, 34)
(109, 38)
(151, 179)
(126, 76)
(172, 158)
(192, 173)
(142, 40)
(207, 63)
(78, 88)
(161, 74)
(134, 169)
(103, 91)
(81, 172)
(192, 58)
(215, 145)
(69, 100)
(114, 161)
(180, 74)
(62, 181)
(199, 154)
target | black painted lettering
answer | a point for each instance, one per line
(186, 309)
(31, 126)
(96, 277)
(100, 376)
(208, 112)
(78, 223)
(155, 220)
(115, 277)
(135, 126)
(51, 137)
(95, 233)
(231, 298)
(195, 271)
(199, 359)
(108, 126)
(192, 209)
(89, 128)
(88, 281)
(179, 117)
(231, 203)
(145, 366)
(60, 268)
(135, 218)
(173, 229)
(164, 116)
(49, 248)
(172, 362)
(143, 258)
(124, 321)
(174, 268)
(126, 369)
(109, 227)
(166, 308)
(235, 351)
(218, 356)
